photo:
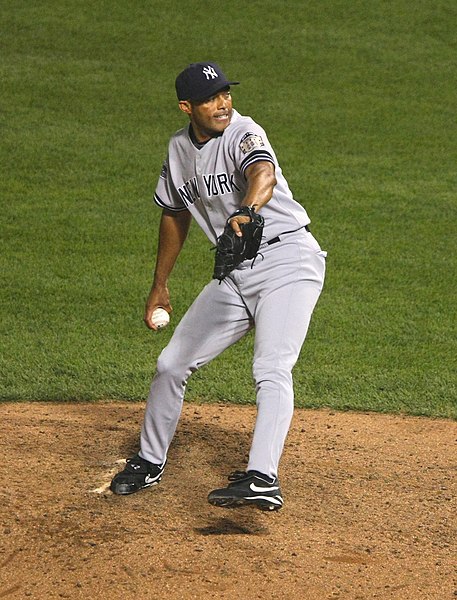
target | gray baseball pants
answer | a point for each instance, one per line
(276, 295)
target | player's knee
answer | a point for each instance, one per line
(272, 375)
(172, 367)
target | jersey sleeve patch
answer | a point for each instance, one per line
(251, 141)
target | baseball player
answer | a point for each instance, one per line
(221, 170)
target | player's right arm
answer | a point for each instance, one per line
(173, 230)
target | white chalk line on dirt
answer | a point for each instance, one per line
(105, 486)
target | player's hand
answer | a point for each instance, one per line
(235, 222)
(158, 297)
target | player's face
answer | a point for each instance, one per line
(210, 117)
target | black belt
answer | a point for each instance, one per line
(277, 239)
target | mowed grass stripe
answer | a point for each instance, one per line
(358, 102)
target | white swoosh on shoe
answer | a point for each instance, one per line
(261, 490)
(272, 499)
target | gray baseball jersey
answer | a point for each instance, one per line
(210, 182)
(276, 294)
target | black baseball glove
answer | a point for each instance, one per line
(231, 249)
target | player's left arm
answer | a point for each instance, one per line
(261, 180)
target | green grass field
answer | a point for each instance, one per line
(358, 99)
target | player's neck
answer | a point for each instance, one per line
(194, 139)
(196, 142)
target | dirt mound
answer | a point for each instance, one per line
(370, 508)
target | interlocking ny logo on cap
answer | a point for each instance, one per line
(210, 72)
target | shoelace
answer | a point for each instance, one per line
(237, 475)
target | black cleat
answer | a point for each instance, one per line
(251, 488)
(138, 474)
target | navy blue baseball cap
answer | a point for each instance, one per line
(201, 80)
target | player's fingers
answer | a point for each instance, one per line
(235, 223)
(148, 321)
(236, 228)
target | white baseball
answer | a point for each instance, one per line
(160, 318)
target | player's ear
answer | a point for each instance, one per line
(185, 106)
